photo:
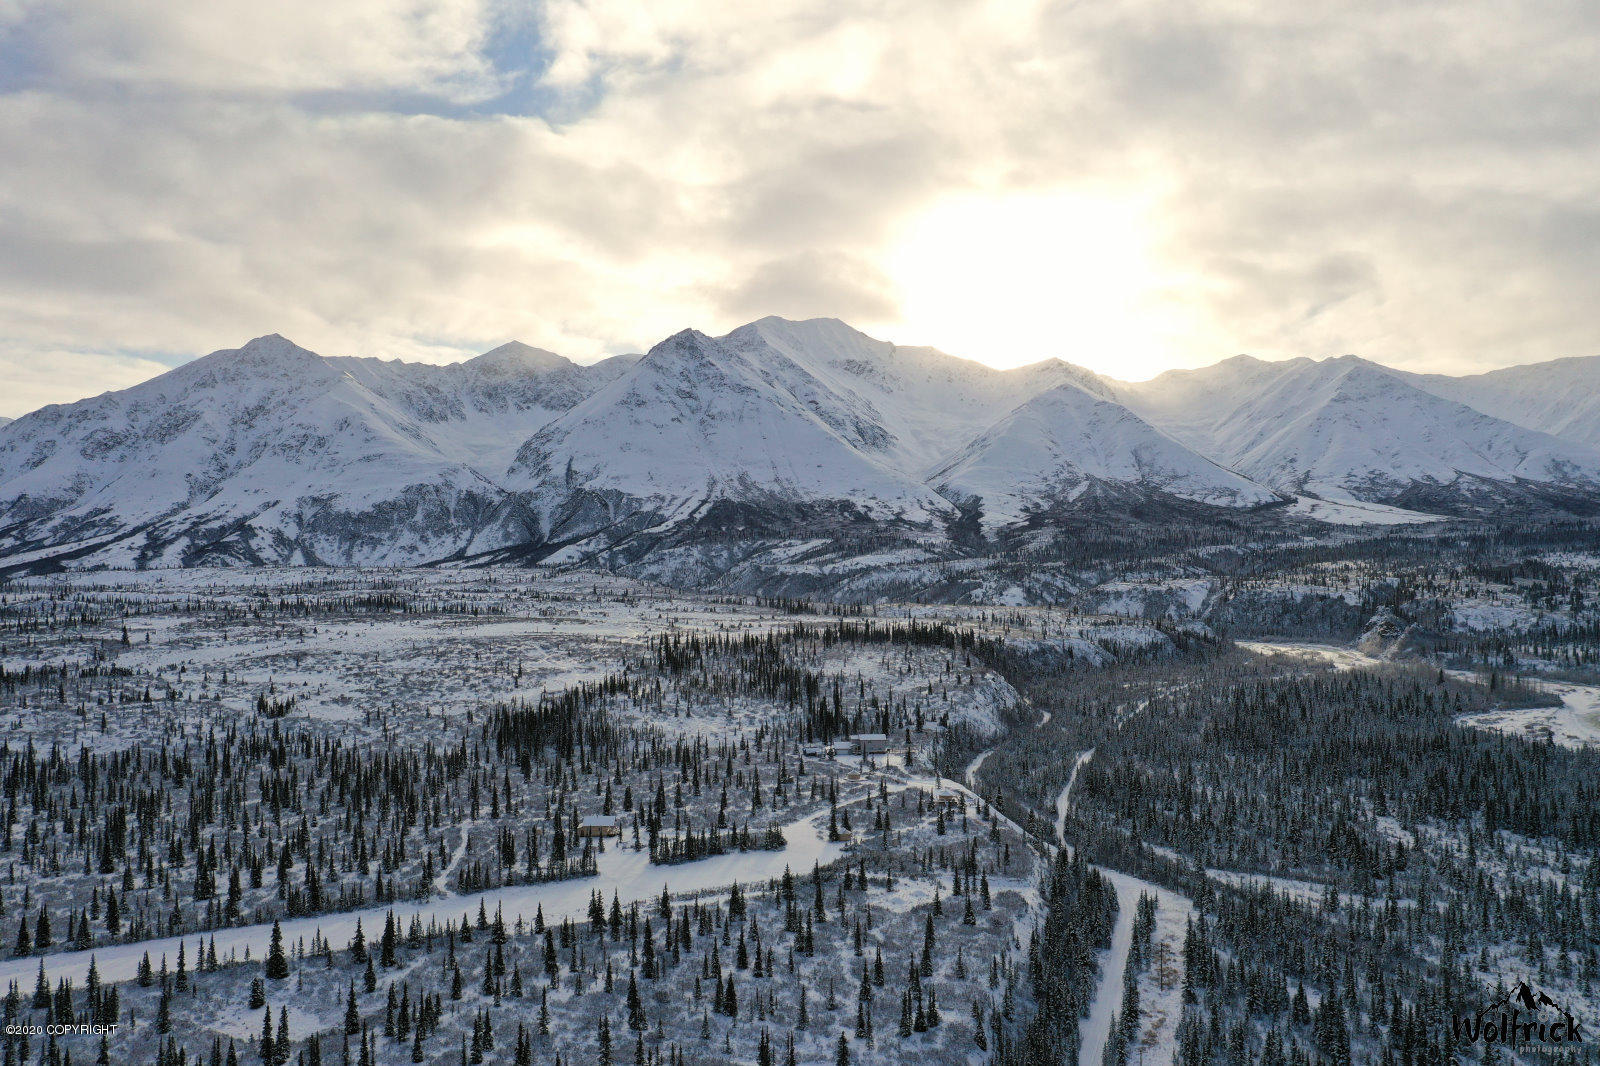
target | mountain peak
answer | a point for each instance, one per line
(797, 323)
(271, 346)
(1066, 438)
(826, 337)
(688, 340)
(514, 357)
(266, 352)
(1350, 373)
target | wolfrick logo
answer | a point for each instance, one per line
(1522, 1017)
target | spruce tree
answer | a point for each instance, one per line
(277, 964)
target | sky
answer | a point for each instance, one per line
(1131, 186)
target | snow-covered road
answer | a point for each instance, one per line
(622, 870)
(1064, 801)
(1096, 1029)
(970, 775)
(1160, 1011)
(1161, 993)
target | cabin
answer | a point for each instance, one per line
(599, 825)
(871, 743)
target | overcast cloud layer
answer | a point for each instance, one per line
(1416, 183)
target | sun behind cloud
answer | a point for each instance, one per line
(1010, 279)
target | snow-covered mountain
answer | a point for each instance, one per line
(1057, 444)
(1350, 429)
(920, 399)
(480, 411)
(1192, 404)
(817, 416)
(272, 453)
(1561, 397)
(698, 421)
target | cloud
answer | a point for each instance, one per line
(35, 377)
(1412, 182)
(243, 47)
(813, 284)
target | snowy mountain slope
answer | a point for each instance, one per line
(1192, 404)
(920, 399)
(1350, 429)
(697, 421)
(1561, 397)
(274, 453)
(1053, 446)
(479, 412)
(873, 419)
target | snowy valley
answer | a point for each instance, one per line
(791, 697)
(522, 815)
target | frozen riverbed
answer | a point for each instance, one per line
(1575, 722)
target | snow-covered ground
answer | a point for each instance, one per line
(1161, 986)
(1356, 513)
(1340, 657)
(623, 871)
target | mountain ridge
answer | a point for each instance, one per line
(272, 453)
(1349, 428)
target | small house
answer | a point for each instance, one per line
(599, 825)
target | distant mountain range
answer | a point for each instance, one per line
(1350, 429)
(270, 453)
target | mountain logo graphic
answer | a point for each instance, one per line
(1523, 1017)
(1531, 999)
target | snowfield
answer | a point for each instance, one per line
(329, 746)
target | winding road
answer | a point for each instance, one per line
(1162, 1005)
(1158, 1028)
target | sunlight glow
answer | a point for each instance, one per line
(1010, 280)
